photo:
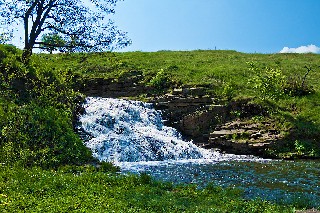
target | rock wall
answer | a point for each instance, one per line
(192, 116)
(126, 86)
(243, 137)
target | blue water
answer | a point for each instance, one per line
(284, 182)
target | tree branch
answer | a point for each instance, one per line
(42, 14)
(26, 24)
(62, 46)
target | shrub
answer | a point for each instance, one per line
(297, 86)
(228, 91)
(36, 113)
(34, 135)
(269, 84)
(161, 81)
(293, 87)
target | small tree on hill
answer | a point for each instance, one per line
(84, 20)
(52, 42)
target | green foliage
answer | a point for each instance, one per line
(107, 167)
(43, 136)
(52, 42)
(104, 167)
(36, 111)
(5, 37)
(84, 190)
(272, 83)
(6, 49)
(294, 87)
(269, 83)
(160, 81)
(297, 86)
(189, 68)
(145, 178)
(228, 91)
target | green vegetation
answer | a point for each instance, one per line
(44, 166)
(194, 68)
(87, 189)
(52, 42)
(36, 111)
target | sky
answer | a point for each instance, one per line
(262, 26)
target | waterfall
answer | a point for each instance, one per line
(133, 131)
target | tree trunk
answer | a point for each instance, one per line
(27, 52)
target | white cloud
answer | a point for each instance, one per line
(303, 49)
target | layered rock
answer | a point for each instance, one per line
(243, 137)
(128, 85)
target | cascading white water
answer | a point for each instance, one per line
(132, 131)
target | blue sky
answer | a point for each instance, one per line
(263, 26)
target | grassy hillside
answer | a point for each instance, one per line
(43, 161)
(285, 85)
(215, 68)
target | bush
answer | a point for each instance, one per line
(295, 87)
(36, 113)
(9, 49)
(269, 84)
(161, 81)
(34, 135)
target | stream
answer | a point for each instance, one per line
(132, 135)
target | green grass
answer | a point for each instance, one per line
(84, 189)
(188, 67)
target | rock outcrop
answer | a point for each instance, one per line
(243, 137)
(128, 85)
(193, 116)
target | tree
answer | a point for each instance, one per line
(52, 42)
(4, 37)
(83, 25)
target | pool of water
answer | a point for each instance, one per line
(284, 182)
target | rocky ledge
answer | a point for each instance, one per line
(243, 137)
